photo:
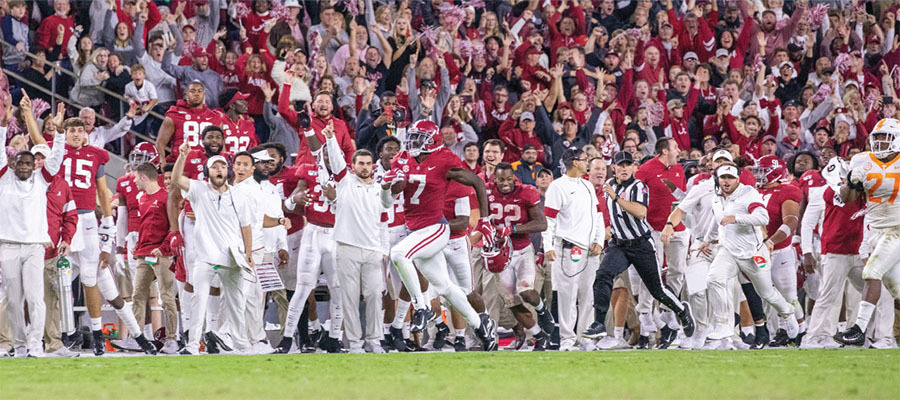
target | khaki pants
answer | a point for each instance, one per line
(52, 334)
(359, 271)
(143, 280)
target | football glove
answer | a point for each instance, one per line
(107, 233)
(487, 231)
(505, 231)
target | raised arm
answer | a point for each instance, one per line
(178, 179)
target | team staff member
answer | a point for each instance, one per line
(22, 241)
(152, 251)
(631, 245)
(574, 232)
(223, 232)
(738, 213)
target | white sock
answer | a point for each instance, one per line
(386, 329)
(747, 330)
(619, 332)
(96, 324)
(406, 330)
(148, 331)
(315, 325)
(402, 310)
(540, 307)
(127, 318)
(866, 310)
(534, 330)
(212, 313)
(461, 332)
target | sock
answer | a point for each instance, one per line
(212, 313)
(461, 332)
(866, 310)
(148, 330)
(619, 332)
(534, 330)
(747, 330)
(96, 324)
(315, 325)
(386, 329)
(540, 307)
(127, 317)
(406, 330)
(402, 310)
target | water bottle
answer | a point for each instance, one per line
(64, 275)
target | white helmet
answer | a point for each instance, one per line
(835, 171)
(891, 143)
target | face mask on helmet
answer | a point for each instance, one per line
(885, 138)
(422, 136)
(767, 170)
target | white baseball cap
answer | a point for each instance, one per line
(722, 53)
(292, 3)
(41, 149)
(723, 154)
(212, 160)
(728, 170)
(262, 155)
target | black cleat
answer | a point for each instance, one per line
(518, 338)
(851, 337)
(330, 344)
(148, 348)
(397, 341)
(666, 337)
(643, 343)
(595, 331)
(312, 341)
(440, 338)
(487, 333)
(420, 318)
(412, 345)
(687, 320)
(545, 320)
(761, 338)
(284, 346)
(211, 343)
(796, 341)
(99, 343)
(460, 345)
(73, 342)
(748, 339)
(540, 342)
(221, 343)
(185, 352)
(781, 339)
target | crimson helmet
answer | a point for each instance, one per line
(497, 257)
(423, 136)
(768, 169)
(144, 152)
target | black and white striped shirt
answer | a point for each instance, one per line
(624, 225)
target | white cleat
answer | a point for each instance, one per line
(170, 347)
(885, 343)
(357, 350)
(715, 344)
(128, 344)
(613, 344)
(63, 352)
(261, 348)
(790, 325)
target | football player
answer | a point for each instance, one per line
(876, 175)
(782, 201)
(185, 122)
(422, 173)
(517, 211)
(240, 134)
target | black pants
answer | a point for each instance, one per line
(619, 255)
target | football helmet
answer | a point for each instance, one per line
(144, 152)
(836, 170)
(497, 256)
(882, 148)
(423, 136)
(768, 169)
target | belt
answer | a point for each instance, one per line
(629, 242)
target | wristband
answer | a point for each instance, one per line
(670, 224)
(289, 203)
(514, 229)
(309, 133)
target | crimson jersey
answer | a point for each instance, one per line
(81, 168)
(842, 230)
(320, 211)
(127, 189)
(426, 185)
(810, 179)
(512, 209)
(774, 197)
(154, 224)
(189, 124)
(455, 191)
(240, 134)
(393, 216)
(285, 182)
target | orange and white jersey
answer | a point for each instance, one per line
(882, 186)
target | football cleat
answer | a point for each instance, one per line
(397, 341)
(312, 340)
(147, 347)
(749, 339)
(212, 346)
(440, 337)
(545, 320)
(666, 336)
(596, 330)
(98, 342)
(518, 339)
(420, 318)
(612, 343)
(761, 337)
(686, 318)
(170, 347)
(540, 342)
(851, 337)
(487, 332)
(284, 346)
(643, 343)
(330, 344)
(460, 345)
(781, 339)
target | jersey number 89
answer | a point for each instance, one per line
(192, 130)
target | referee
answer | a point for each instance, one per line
(627, 198)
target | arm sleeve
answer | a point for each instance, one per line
(814, 210)
(121, 225)
(284, 105)
(56, 154)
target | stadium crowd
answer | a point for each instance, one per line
(575, 175)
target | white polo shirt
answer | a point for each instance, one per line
(251, 189)
(220, 217)
(23, 204)
(744, 238)
(573, 213)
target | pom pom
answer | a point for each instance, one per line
(842, 63)
(280, 12)
(38, 106)
(656, 114)
(634, 33)
(352, 7)
(240, 10)
(816, 16)
(452, 16)
(823, 93)
(428, 37)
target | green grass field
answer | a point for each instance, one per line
(673, 374)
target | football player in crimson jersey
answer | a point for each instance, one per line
(517, 211)
(83, 170)
(240, 134)
(876, 175)
(317, 246)
(422, 173)
(782, 201)
(185, 122)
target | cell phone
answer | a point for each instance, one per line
(467, 98)
(887, 100)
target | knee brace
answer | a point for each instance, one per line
(107, 285)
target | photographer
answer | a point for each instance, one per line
(381, 121)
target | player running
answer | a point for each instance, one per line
(422, 173)
(876, 175)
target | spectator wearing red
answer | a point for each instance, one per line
(775, 38)
(255, 23)
(50, 26)
(693, 33)
(254, 77)
(516, 138)
(127, 12)
(321, 116)
(569, 33)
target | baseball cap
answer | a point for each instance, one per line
(785, 63)
(262, 155)
(564, 104)
(188, 26)
(292, 3)
(674, 103)
(794, 122)
(201, 2)
(768, 138)
(793, 48)
(534, 50)
(41, 149)
(723, 154)
(237, 96)
(690, 55)
(791, 103)
(721, 53)
(212, 160)
(728, 170)
(622, 157)
(873, 38)
(526, 115)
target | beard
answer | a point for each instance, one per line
(210, 152)
(217, 180)
(260, 176)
